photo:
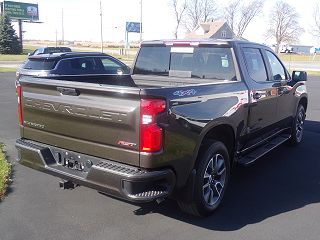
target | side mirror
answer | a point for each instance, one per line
(29, 54)
(299, 76)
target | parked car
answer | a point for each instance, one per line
(48, 50)
(80, 66)
(194, 109)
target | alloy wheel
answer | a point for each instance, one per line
(214, 180)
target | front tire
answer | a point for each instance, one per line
(211, 180)
(298, 126)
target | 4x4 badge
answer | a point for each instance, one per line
(181, 93)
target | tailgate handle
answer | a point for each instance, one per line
(68, 91)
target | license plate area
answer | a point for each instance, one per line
(71, 160)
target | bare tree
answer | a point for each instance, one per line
(239, 16)
(231, 13)
(248, 12)
(179, 13)
(198, 11)
(316, 24)
(283, 24)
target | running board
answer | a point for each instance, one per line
(264, 149)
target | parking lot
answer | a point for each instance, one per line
(276, 198)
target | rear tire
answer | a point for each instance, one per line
(298, 126)
(211, 180)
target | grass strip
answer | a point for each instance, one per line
(7, 70)
(5, 170)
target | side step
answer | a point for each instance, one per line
(262, 150)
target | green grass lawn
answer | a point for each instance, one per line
(6, 70)
(10, 57)
(18, 57)
(5, 169)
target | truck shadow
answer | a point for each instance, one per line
(286, 179)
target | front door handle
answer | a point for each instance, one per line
(256, 95)
(283, 91)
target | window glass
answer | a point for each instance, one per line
(39, 64)
(198, 62)
(278, 72)
(108, 63)
(255, 64)
(36, 52)
(91, 65)
(153, 60)
(84, 65)
(74, 66)
(113, 67)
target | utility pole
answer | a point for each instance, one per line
(62, 25)
(20, 34)
(101, 27)
(141, 21)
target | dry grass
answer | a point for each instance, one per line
(299, 57)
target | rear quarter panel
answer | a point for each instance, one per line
(192, 111)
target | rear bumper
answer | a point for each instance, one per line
(119, 180)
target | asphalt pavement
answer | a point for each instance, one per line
(276, 198)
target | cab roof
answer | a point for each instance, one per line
(195, 42)
(63, 55)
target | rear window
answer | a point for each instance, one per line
(198, 62)
(39, 64)
(49, 50)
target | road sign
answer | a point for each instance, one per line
(133, 27)
(23, 11)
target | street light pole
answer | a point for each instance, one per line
(101, 27)
(141, 21)
(62, 26)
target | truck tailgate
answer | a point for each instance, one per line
(93, 119)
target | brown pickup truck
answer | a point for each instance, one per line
(174, 127)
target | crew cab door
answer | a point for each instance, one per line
(281, 78)
(263, 95)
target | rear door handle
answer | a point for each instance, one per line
(68, 91)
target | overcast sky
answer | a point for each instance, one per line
(82, 20)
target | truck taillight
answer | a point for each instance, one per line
(19, 104)
(150, 132)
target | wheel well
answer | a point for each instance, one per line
(304, 102)
(223, 133)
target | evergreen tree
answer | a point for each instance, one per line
(9, 42)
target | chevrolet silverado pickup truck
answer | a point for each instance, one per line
(193, 109)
